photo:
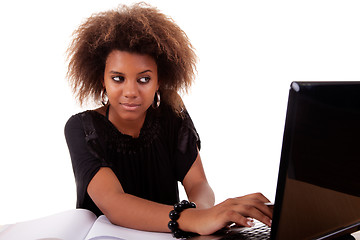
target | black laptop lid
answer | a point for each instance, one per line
(318, 192)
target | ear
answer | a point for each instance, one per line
(158, 86)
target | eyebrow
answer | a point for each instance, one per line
(116, 72)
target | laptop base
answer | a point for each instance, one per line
(346, 237)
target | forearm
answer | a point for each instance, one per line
(202, 195)
(133, 212)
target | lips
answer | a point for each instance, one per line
(130, 106)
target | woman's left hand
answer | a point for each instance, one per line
(234, 210)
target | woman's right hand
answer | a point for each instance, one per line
(238, 210)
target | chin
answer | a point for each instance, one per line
(132, 116)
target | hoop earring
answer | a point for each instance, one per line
(156, 102)
(104, 98)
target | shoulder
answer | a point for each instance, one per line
(167, 118)
(84, 127)
(179, 122)
(77, 121)
(73, 122)
(168, 113)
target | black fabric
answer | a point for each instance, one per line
(148, 166)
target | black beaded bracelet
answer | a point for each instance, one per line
(174, 216)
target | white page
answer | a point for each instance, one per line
(104, 230)
(70, 225)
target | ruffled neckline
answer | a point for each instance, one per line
(125, 143)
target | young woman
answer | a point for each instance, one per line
(129, 154)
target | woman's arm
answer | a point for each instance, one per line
(197, 187)
(125, 209)
(137, 213)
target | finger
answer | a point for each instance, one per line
(238, 219)
(250, 206)
(236, 204)
(250, 221)
(254, 212)
(270, 206)
(264, 209)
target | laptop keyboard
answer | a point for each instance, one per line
(260, 232)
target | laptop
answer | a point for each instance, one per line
(318, 189)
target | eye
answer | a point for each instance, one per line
(118, 79)
(144, 80)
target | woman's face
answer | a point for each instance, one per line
(131, 81)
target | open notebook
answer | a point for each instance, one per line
(76, 224)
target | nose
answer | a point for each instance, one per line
(130, 89)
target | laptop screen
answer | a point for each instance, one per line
(318, 193)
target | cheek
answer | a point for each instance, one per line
(148, 94)
(112, 92)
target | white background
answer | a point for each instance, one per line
(249, 52)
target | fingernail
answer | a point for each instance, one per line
(250, 223)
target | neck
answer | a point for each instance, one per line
(128, 127)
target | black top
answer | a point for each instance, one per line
(148, 166)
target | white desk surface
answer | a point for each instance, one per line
(356, 234)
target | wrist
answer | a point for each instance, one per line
(176, 225)
(187, 220)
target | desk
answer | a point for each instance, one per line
(356, 234)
